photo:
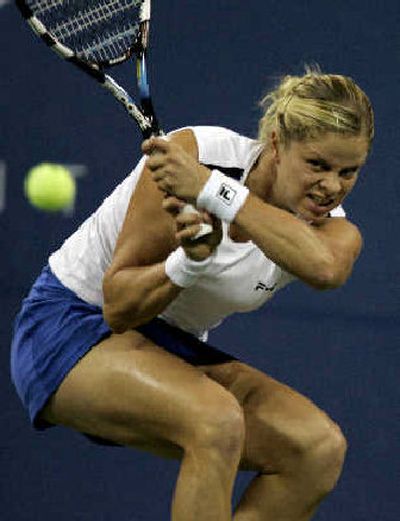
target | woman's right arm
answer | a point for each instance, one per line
(135, 286)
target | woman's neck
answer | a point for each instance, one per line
(260, 182)
(262, 176)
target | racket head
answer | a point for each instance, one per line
(100, 33)
(97, 34)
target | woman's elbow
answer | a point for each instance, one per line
(111, 314)
(328, 276)
(113, 320)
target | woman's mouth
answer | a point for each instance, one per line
(320, 205)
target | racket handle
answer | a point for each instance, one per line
(205, 228)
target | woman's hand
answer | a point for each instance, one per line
(187, 227)
(174, 170)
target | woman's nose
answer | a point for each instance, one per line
(331, 183)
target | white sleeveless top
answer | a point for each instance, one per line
(240, 279)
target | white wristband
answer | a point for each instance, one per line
(182, 270)
(222, 196)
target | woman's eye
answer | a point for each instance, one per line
(316, 164)
(348, 174)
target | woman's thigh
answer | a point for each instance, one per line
(130, 391)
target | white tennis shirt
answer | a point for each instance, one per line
(240, 279)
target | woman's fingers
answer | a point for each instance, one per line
(155, 162)
(172, 204)
(155, 144)
(188, 225)
(173, 169)
(185, 220)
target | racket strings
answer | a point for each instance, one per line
(85, 20)
(110, 46)
(101, 31)
(40, 7)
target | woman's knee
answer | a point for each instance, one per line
(218, 426)
(318, 450)
(310, 445)
(326, 457)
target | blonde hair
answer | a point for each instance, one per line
(306, 107)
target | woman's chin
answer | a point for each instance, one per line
(310, 216)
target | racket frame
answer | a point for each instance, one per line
(143, 113)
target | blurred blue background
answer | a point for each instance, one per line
(211, 62)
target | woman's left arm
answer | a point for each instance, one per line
(320, 254)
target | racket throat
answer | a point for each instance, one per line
(144, 93)
(148, 110)
(123, 97)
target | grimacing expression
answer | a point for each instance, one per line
(314, 176)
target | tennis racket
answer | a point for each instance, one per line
(96, 35)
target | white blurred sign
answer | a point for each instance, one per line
(3, 171)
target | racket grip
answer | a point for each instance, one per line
(205, 228)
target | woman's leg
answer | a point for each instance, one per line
(296, 449)
(129, 391)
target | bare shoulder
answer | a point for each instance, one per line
(344, 241)
(340, 230)
(187, 140)
(147, 235)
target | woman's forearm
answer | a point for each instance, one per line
(289, 242)
(135, 295)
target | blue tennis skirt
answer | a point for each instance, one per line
(55, 329)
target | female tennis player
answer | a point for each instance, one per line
(111, 340)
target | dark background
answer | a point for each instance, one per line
(211, 62)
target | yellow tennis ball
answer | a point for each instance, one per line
(50, 187)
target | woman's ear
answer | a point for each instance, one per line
(275, 146)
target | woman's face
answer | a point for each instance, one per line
(313, 177)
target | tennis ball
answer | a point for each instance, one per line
(50, 187)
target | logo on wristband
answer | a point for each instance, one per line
(226, 193)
